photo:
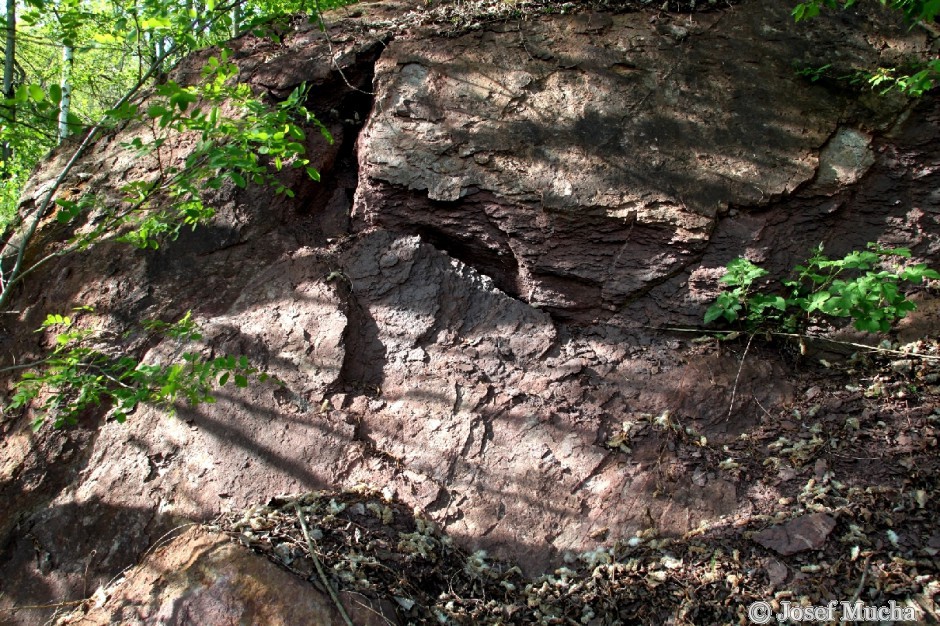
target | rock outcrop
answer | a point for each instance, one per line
(582, 160)
(461, 311)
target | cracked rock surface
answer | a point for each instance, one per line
(464, 310)
(582, 159)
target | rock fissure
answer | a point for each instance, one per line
(364, 354)
(472, 436)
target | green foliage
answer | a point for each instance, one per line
(913, 10)
(115, 45)
(814, 74)
(858, 286)
(249, 146)
(81, 372)
(119, 48)
(915, 84)
(738, 302)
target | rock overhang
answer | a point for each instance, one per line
(629, 134)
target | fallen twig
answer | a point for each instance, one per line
(734, 390)
(919, 355)
(319, 566)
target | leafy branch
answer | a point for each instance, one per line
(239, 139)
(249, 146)
(23, 240)
(80, 373)
(920, 78)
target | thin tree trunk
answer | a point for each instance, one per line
(6, 151)
(236, 18)
(64, 105)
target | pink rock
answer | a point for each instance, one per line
(807, 532)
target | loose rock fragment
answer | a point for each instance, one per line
(808, 532)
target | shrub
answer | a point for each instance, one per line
(82, 371)
(863, 286)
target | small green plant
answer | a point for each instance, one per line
(860, 286)
(914, 83)
(814, 73)
(80, 373)
(913, 10)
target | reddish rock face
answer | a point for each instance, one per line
(461, 311)
(582, 160)
(204, 578)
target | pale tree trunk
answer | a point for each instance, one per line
(65, 104)
(236, 18)
(6, 151)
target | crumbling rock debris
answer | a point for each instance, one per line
(807, 532)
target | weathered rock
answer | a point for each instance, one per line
(777, 572)
(204, 578)
(845, 158)
(580, 167)
(807, 532)
(785, 234)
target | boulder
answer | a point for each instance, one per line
(203, 577)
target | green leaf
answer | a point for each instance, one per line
(238, 179)
(868, 325)
(156, 110)
(760, 302)
(713, 313)
(36, 93)
(816, 300)
(56, 319)
(155, 23)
